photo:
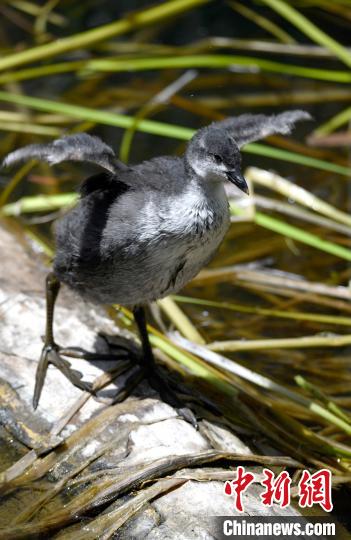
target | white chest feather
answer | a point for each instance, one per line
(176, 237)
(200, 221)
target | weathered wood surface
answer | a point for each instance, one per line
(106, 444)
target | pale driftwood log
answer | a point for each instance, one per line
(115, 442)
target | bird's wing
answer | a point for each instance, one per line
(252, 127)
(78, 147)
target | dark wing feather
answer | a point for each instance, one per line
(252, 127)
(103, 182)
(79, 147)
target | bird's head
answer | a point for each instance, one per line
(213, 155)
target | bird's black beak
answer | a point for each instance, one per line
(238, 180)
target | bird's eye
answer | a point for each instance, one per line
(217, 159)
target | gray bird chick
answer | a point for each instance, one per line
(142, 232)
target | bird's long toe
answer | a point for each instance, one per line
(82, 354)
(51, 355)
(168, 395)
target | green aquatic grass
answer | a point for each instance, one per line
(280, 227)
(295, 315)
(108, 118)
(12, 184)
(83, 40)
(294, 157)
(264, 22)
(232, 367)
(334, 123)
(209, 61)
(159, 128)
(309, 29)
(321, 396)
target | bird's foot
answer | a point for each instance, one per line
(160, 384)
(150, 371)
(51, 354)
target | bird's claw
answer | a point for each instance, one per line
(50, 355)
(188, 415)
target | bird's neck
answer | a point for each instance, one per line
(206, 202)
(206, 186)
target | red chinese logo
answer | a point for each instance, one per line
(277, 489)
(312, 488)
(316, 489)
(238, 486)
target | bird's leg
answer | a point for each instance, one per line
(156, 380)
(50, 351)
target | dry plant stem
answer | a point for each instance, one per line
(100, 382)
(106, 524)
(280, 427)
(260, 380)
(246, 275)
(252, 251)
(176, 357)
(34, 129)
(180, 320)
(108, 490)
(291, 430)
(297, 298)
(28, 459)
(283, 343)
(272, 99)
(49, 494)
(292, 191)
(233, 367)
(195, 107)
(17, 468)
(212, 43)
(285, 435)
(299, 213)
(88, 430)
(294, 49)
(305, 150)
(332, 140)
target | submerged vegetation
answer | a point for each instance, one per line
(264, 331)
